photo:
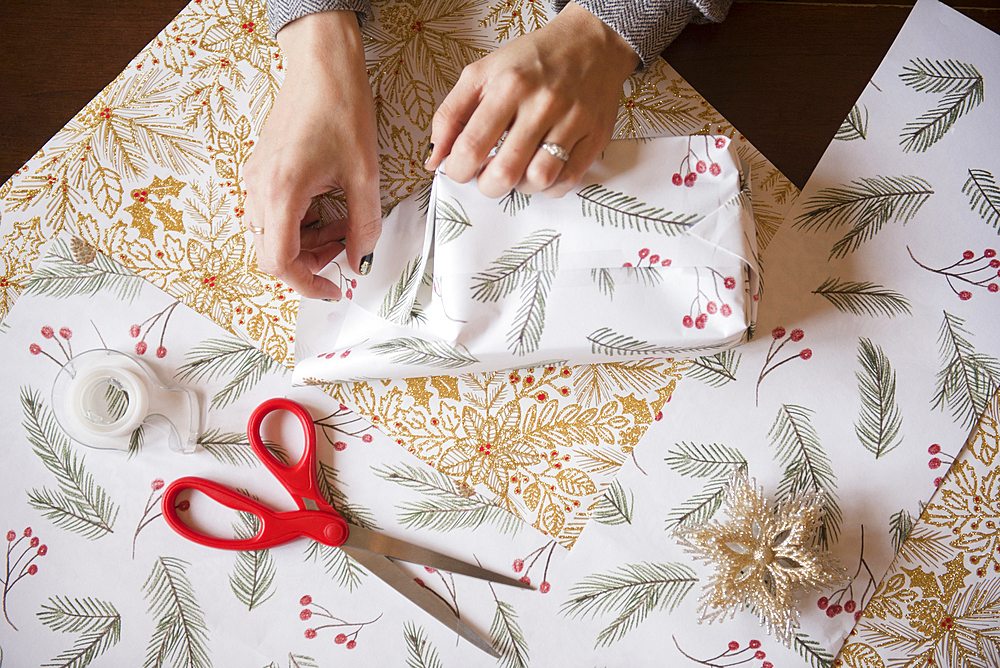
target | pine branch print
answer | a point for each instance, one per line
(326, 479)
(538, 252)
(252, 579)
(925, 546)
(984, 195)
(863, 298)
(450, 220)
(227, 357)
(98, 622)
(514, 201)
(715, 370)
(61, 276)
(617, 209)
(855, 126)
(968, 379)
(807, 467)
(445, 509)
(605, 281)
(345, 571)
(631, 592)
(397, 305)
(181, 635)
(80, 505)
(699, 508)
(705, 461)
(810, 650)
(962, 85)
(900, 526)
(420, 653)
(879, 422)
(413, 351)
(867, 204)
(229, 447)
(608, 342)
(615, 506)
(529, 323)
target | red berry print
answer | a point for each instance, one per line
(354, 283)
(643, 253)
(989, 252)
(968, 255)
(161, 352)
(711, 307)
(349, 294)
(965, 295)
(726, 311)
(690, 179)
(714, 169)
(47, 332)
(754, 644)
(688, 321)
(525, 579)
(367, 438)
(700, 321)
(796, 335)
(27, 532)
(701, 167)
(777, 333)
(759, 654)
(340, 639)
(66, 333)
(310, 633)
(823, 603)
(993, 287)
(720, 142)
(157, 484)
(850, 606)
(677, 179)
(140, 348)
(857, 616)
(544, 587)
(934, 449)
(134, 331)
(937, 481)
(32, 569)
(518, 565)
(34, 542)
(934, 463)
(805, 353)
(733, 645)
(767, 664)
(970, 272)
(34, 349)
(340, 446)
(42, 550)
(654, 259)
(729, 282)
(305, 614)
(351, 644)
(11, 536)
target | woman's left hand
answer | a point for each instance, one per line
(560, 84)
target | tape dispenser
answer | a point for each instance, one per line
(101, 397)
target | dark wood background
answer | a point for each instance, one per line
(784, 73)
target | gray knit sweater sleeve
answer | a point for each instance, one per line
(650, 25)
(647, 25)
(282, 12)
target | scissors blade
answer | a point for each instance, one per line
(395, 577)
(378, 543)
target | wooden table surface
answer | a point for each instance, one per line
(784, 73)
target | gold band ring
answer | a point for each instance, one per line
(259, 231)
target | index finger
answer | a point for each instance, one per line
(282, 255)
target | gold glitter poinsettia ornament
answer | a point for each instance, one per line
(762, 556)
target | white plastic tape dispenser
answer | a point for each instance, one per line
(101, 397)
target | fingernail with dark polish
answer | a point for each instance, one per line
(430, 152)
(366, 264)
(332, 301)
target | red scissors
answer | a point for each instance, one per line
(318, 520)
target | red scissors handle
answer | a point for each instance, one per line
(275, 528)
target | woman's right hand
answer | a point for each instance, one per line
(320, 135)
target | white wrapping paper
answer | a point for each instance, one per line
(653, 255)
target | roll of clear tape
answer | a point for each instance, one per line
(102, 398)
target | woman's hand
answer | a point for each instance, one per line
(320, 135)
(560, 84)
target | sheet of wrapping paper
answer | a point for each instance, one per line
(491, 284)
(80, 181)
(149, 173)
(94, 576)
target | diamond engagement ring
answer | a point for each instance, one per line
(254, 229)
(555, 150)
